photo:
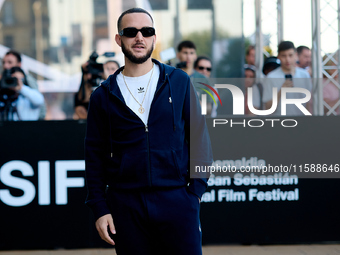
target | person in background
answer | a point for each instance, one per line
(186, 54)
(13, 59)
(250, 75)
(203, 66)
(18, 101)
(82, 97)
(250, 55)
(304, 58)
(270, 64)
(288, 75)
(110, 67)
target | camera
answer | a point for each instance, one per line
(181, 64)
(7, 83)
(7, 80)
(96, 69)
(8, 96)
(289, 77)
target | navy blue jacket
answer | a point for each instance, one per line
(124, 153)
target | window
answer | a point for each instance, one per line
(8, 13)
(199, 4)
(159, 4)
(9, 41)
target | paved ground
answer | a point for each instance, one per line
(211, 250)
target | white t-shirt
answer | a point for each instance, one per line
(301, 79)
(138, 87)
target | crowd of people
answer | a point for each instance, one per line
(290, 68)
(20, 98)
(288, 75)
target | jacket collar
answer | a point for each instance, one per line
(111, 82)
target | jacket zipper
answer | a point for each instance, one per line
(148, 149)
(147, 136)
(146, 130)
(161, 85)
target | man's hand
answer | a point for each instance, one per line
(288, 84)
(101, 225)
(81, 112)
(19, 77)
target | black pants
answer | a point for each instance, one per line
(157, 221)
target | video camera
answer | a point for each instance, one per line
(7, 81)
(96, 69)
(181, 64)
(8, 96)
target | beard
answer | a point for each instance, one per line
(133, 58)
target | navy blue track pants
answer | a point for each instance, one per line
(156, 221)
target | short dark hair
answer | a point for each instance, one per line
(285, 45)
(15, 69)
(186, 44)
(132, 10)
(199, 58)
(15, 54)
(250, 47)
(301, 48)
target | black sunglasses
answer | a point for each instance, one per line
(132, 31)
(202, 68)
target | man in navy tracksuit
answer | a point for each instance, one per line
(141, 122)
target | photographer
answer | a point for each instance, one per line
(93, 74)
(13, 59)
(110, 67)
(17, 100)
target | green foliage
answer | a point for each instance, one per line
(231, 64)
(203, 40)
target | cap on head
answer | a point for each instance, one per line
(250, 67)
(271, 63)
